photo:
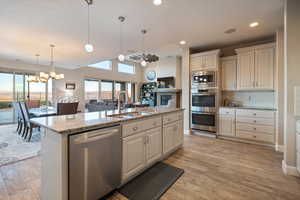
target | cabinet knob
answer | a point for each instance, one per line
(135, 128)
(227, 112)
(254, 121)
(254, 114)
(254, 129)
(254, 136)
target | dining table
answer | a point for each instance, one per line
(43, 111)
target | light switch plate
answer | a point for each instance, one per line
(297, 101)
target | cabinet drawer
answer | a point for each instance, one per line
(134, 127)
(255, 128)
(254, 136)
(255, 113)
(169, 118)
(227, 111)
(259, 121)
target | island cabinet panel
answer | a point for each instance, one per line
(137, 126)
(172, 136)
(134, 150)
(145, 146)
(154, 145)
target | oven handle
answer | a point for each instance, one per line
(205, 113)
(202, 94)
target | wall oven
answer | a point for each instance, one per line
(204, 79)
(203, 110)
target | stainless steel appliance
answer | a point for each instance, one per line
(203, 110)
(204, 79)
(94, 163)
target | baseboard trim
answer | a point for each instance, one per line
(279, 148)
(289, 170)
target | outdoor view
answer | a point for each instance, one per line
(14, 87)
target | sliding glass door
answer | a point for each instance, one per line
(14, 87)
(6, 98)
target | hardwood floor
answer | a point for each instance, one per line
(214, 169)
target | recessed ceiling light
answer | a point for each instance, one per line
(182, 42)
(157, 2)
(253, 24)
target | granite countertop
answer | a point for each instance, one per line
(69, 124)
(251, 107)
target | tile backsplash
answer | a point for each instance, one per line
(250, 98)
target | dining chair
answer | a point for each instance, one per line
(28, 126)
(16, 107)
(33, 104)
(67, 108)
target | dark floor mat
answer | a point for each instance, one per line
(153, 183)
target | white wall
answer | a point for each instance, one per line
(279, 86)
(76, 76)
(291, 73)
(185, 84)
(166, 67)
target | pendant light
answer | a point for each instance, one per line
(144, 62)
(34, 79)
(89, 47)
(53, 74)
(121, 56)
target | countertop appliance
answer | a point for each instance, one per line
(203, 110)
(95, 163)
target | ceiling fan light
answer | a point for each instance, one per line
(144, 63)
(89, 48)
(157, 2)
(121, 57)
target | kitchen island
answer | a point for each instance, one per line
(142, 137)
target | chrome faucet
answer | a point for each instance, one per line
(119, 100)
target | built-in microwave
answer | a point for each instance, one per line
(204, 79)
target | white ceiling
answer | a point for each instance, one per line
(29, 26)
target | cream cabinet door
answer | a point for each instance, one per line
(154, 145)
(197, 63)
(178, 134)
(245, 70)
(228, 68)
(264, 68)
(210, 61)
(134, 148)
(168, 137)
(226, 125)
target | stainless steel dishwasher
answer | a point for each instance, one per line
(95, 160)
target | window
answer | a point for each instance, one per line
(102, 65)
(131, 92)
(91, 89)
(106, 90)
(119, 86)
(125, 68)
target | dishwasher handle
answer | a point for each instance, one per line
(84, 139)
